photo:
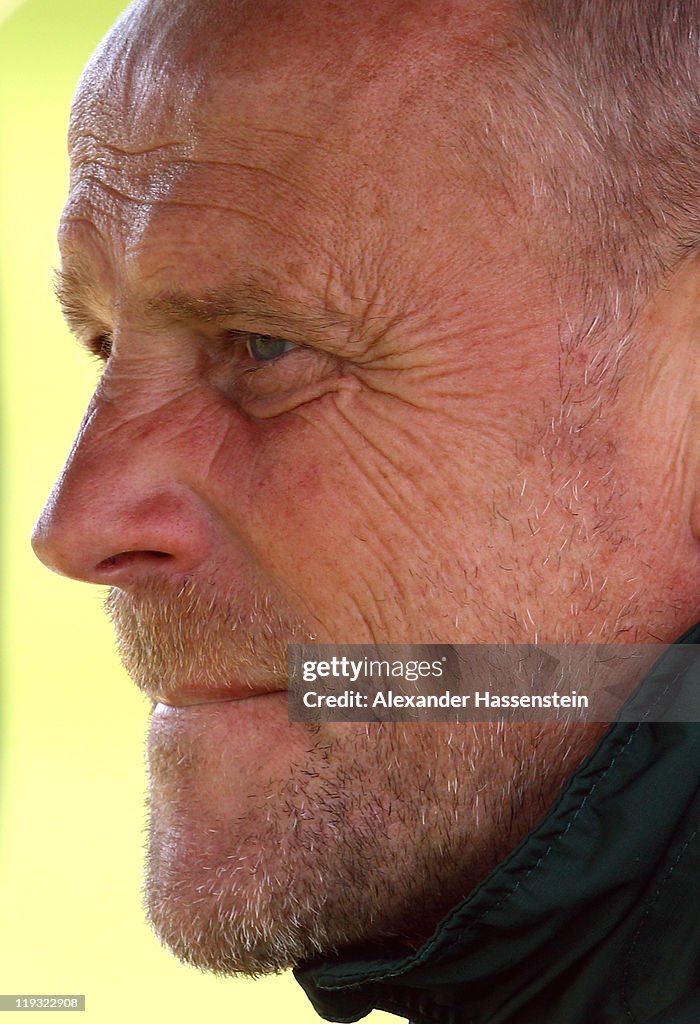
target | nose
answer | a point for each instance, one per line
(121, 511)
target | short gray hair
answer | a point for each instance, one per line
(612, 126)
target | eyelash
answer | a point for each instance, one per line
(101, 346)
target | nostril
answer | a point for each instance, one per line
(126, 559)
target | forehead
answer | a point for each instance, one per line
(294, 119)
(363, 70)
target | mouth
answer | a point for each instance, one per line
(186, 698)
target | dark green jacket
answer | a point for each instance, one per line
(593, 919)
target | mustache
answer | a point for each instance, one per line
(190, 637)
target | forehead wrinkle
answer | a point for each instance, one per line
(85, 143)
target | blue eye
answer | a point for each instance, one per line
(265, 349)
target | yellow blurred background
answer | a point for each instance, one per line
(72, 777)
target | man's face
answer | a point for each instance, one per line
(329, 410)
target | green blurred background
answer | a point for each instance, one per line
(72, 777)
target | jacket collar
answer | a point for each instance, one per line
(566, 928)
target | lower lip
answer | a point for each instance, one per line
(214, 750)
(241, 728)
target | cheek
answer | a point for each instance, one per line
(353, 509)
(310, 503)
(316, 501)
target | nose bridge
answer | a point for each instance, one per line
(117, 439)
(120, 502)
(144, 375)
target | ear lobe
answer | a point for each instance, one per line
(694, 429)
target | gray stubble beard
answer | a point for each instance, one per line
(358, 845)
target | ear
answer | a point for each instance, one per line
(694, 445)
(682, 301)
(666, 407)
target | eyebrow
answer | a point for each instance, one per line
(84, 306)
(78, 297)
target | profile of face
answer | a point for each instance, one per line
(333, 407)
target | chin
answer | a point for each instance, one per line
(230, 881)
(218, 920)
(254, 863)
(268, 891)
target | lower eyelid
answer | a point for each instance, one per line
(266, 364)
